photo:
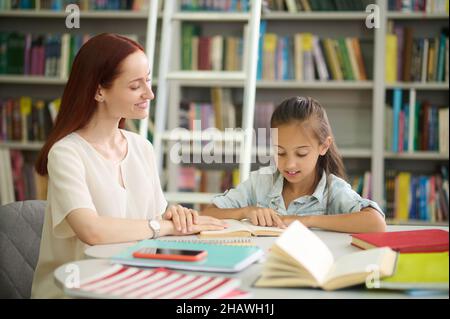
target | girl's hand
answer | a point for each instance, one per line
(264, 217)
(203, 223)
(183, 218)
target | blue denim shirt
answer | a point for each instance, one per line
(264, 189)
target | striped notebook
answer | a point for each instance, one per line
(123, 282)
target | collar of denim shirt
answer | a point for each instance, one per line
(277, 188)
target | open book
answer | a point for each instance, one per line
(300, 259)
(242, 228)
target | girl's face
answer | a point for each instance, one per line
(297, 151)
(131, 91)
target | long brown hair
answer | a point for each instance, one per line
(306, 108)
(96, 63)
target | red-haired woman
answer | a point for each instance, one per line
(103, 186)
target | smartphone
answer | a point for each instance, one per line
(170, 254)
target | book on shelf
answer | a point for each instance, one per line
(415, 59)
(215, 5)
(238, 257)
(27, 120)
(217, 52)
(84, 5)
(241, 228)
(409, 241)
(295, 6)
(415, 125)
(417, 197)
(306, 57)
(419, 271)
(49, 55)
(361, 183)
(424, 6)
(299, 258)
(122, 282)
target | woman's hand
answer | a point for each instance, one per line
(264, 217)
(203, 223)
(183, 218)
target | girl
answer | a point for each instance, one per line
(308, 184)
(103, 186)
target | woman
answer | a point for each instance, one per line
(103, 185)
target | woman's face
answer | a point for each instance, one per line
(131, 91)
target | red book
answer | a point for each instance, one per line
(412, 241)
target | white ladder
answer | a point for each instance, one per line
(150, 41)
(170, 78)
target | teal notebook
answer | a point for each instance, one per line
(221, 258)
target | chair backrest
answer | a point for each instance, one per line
(20, 237)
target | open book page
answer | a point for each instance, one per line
(262, 230)
(235, 228)
(242, 228)
(275, 267)
(358, 267)
(307, 249)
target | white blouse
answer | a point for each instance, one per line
(80, 177)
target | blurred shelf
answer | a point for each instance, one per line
(24, 146)
(100, 14)
(420, 155)
(416, 15)
(189, 197)
(38, 79)
(419, 85)
(339, 15)
(319, 85)
(31, 79)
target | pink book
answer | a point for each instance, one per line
(27, 54)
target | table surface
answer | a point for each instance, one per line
(338, 243)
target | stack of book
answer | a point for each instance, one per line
(48, 55)
(26, 120)
(425, 6)
(417, 197)
(294, 6)
(410, 59)
(84, 5)
(200, 52)
(413, 125)
(216, 5)
(306, 57)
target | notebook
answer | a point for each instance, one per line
(241, 228)
(220, 258)
(428, 240)
(212, 241)
(424, 271)
(129, 282)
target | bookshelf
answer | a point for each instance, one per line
(415, 163)
(140, 22)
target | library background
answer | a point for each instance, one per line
(228, 63)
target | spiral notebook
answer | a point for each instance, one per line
(220, 258)
(224, 241)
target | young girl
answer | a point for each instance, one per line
(103, 185)
(308, 184)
